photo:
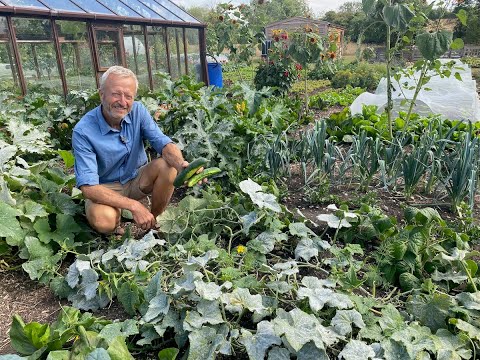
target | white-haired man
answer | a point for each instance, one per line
(111, 166)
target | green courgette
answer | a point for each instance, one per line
(205, 173)
(189, 171)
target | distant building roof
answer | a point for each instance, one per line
(149, 11)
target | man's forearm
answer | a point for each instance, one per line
(173, 156)
(103, 195)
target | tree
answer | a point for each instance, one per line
(470, 33)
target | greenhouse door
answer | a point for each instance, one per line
(108, 45)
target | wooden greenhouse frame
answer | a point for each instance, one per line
(105, 30)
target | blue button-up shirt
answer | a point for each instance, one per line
(104, 154)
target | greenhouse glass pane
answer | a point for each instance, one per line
(28, 3)
(176, 10)
(161, 10)
(32, 29)
(176, 52)
(158, 54)
(92, 6)
(144, 10)
(8, 69)
(38, 56)
(108, 44)
(118, 8)
(62, 5)
(193, 53)
(76, 56)
(135, 53)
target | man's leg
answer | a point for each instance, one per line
(157, 178)
(102, 218)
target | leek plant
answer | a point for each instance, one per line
(365, 157)
(417, 164)
(460, 168)
(277, 157)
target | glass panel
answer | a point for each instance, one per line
(142, 9)
(176, 10)
(76, 56)
(175, 44)
(118, 8)
(108, 45)
(158, 53)
(37, 54)
(62, 5)
(135, 53)
(8, 70)
(92, 6)
(193, 53)
(34, 3)
(168, 15)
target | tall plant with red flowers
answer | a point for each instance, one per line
(306, 48)
(278, 69)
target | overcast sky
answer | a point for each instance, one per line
(318, 6)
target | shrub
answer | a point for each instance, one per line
(276, 74)
(362, 75)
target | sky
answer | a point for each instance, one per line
(319, 7)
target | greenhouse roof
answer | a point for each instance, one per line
(152, 11)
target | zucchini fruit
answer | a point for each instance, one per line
(189, 171)
(205, 173)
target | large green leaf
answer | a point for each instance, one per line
(356, 350)
(451, 347)
(118, 349)
(9, 225)
(472, 331)
(258, 197)
(37, 249)
(397, 16)
(129, 297)
(298, 328)
(33, 210)
(208, 312)
(435, 44)
(257, 345)
(204, 343)
(240, 299)
(18, 337)
(58, 355)
(462, 15)
(343, 320)
(471, 301)
(123, 329)
(431, 310)
(318, 296)
(369, 6)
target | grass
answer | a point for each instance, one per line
(234, 74)
(312, 86)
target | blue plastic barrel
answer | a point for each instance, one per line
(215, 74)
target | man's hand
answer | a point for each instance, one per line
(143, 217)
(185, 164)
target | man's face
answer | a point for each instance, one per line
(117, 98)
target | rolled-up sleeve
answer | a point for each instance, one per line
(152, 132)
(86, 168)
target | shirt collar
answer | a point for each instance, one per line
(104, 127)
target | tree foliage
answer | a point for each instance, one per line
(470, 33)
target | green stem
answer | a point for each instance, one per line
(415, 95)
(470, 279)
(388, 59)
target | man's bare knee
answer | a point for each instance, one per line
(103, 219)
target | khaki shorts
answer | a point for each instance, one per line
(131, 189)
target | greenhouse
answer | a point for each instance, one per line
(64, 45)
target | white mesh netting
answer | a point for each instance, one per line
(450, 98)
